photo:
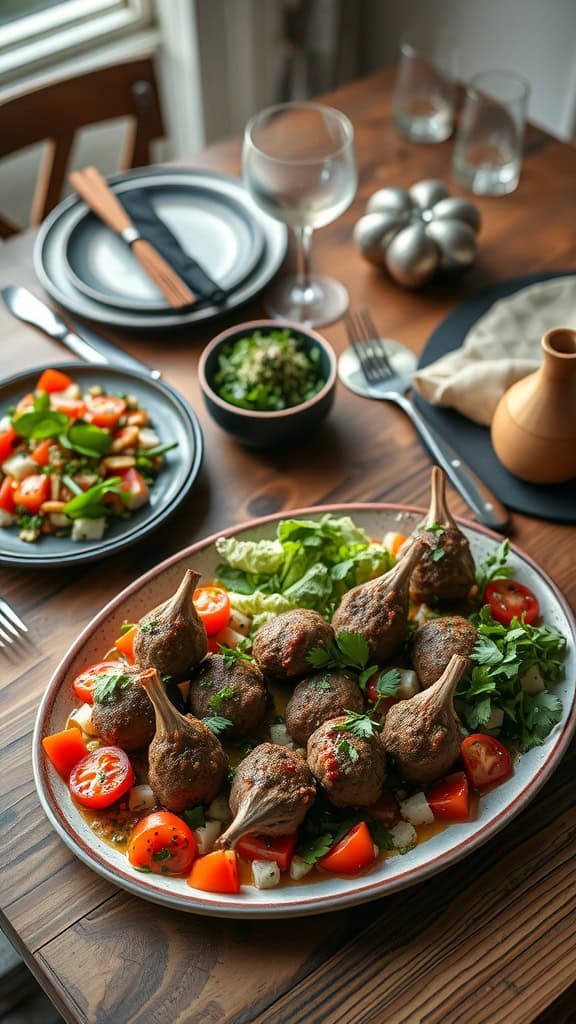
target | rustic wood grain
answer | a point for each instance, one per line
(491, 939)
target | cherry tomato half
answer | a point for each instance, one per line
(105, 410)
(102, 777)
(449, 799)
(213, 606)
(486, 761)
(32, 491)
(162, 843)
(509, 599)
(276, 848)
(85, 682)
(353, 853)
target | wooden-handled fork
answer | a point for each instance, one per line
(95, 191)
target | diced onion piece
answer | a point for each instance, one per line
(82, 717)
(265, 873)
(5, 424)
(88, 529)
(219, 809)
(207, 835)
(19, 466)
(532, 681)
(416, 810)
(239, 622)
(299, 868)
(409, 684)
(229, 637)
(495, 721)
(279, 734)
(141, 798)
(423, 614)
(59, 520)
(403, 835)
(147, 438)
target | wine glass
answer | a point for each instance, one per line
(299, 166)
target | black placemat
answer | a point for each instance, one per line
(471, 441)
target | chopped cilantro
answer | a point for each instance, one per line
(347, 750)
(438, 554)
(350, 650)
(357, 724)
(217, 724)
(494, 566)
(196, 816)
(233, 654)
(435, 528)
(224, 694)
(108, 685)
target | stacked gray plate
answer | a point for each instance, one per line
(90, 271)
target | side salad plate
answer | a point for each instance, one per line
(171, 424)
(319, 891)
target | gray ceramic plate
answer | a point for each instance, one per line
(497, 808)
(210, 224)
(51, 266)
(172, 418)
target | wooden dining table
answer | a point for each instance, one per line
(493, 937)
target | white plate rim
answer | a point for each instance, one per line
(358, 890)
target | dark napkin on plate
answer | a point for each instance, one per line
(137, 203)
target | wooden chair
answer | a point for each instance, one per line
(55, 112)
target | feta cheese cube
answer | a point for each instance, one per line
(19, 466)
(416, 810)
(207, 835)
(88, 529)
(299, 868)
(404, 836)
(265, 874)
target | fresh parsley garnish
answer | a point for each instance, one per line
(148, 627)
(163, 854)
(216, 700)
(388, 682)
(233, 654)
(494, 566)
(438, 554)
(350, 650)
(358, 725)
(320, 685)
(435, 528)
(108, 685)
(196, 816)
(217, 724)
(126, 627)
(501, 658)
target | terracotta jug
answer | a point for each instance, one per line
(534, 425)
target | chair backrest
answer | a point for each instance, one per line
(55, 112)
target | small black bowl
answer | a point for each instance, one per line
(268, 429)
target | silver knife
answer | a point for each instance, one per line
(25, 306)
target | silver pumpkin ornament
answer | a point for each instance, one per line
(418, 233)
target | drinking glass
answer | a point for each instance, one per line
(488, 145)
(425, 88)
(299, 166)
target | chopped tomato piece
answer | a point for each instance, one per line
(386, 810)
(449, 799)
(486, 761)
(280, 849)
(162, 843)
(216, 872)
(41, 453)
(353, 853)
(125, 643)
(8, 441)
(509, 599)
(134, 487)
(7, 503)
(213, 607)
(32, 491)
(71, 407)
(105, 410)
(65, 749)
(85, 682)
(53, 380)
(101, 777)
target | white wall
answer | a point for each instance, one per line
(537, 38)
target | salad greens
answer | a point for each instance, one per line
(310, 564)
(501, 659)
(268, 372)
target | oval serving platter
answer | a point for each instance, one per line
(497, 808)
(172, 418)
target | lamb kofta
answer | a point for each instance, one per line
(434, 643)
(272, 792)
(281, 647)
(186, 762)
(171, 637)
(122, 714)
(320, 697)
(423, 734)
(233, 690)
(445, 574)
(351, 769)
(378, 610)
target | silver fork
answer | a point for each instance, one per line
(384, 370)
(11, 626)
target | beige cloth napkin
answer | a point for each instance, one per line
(501, 347)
